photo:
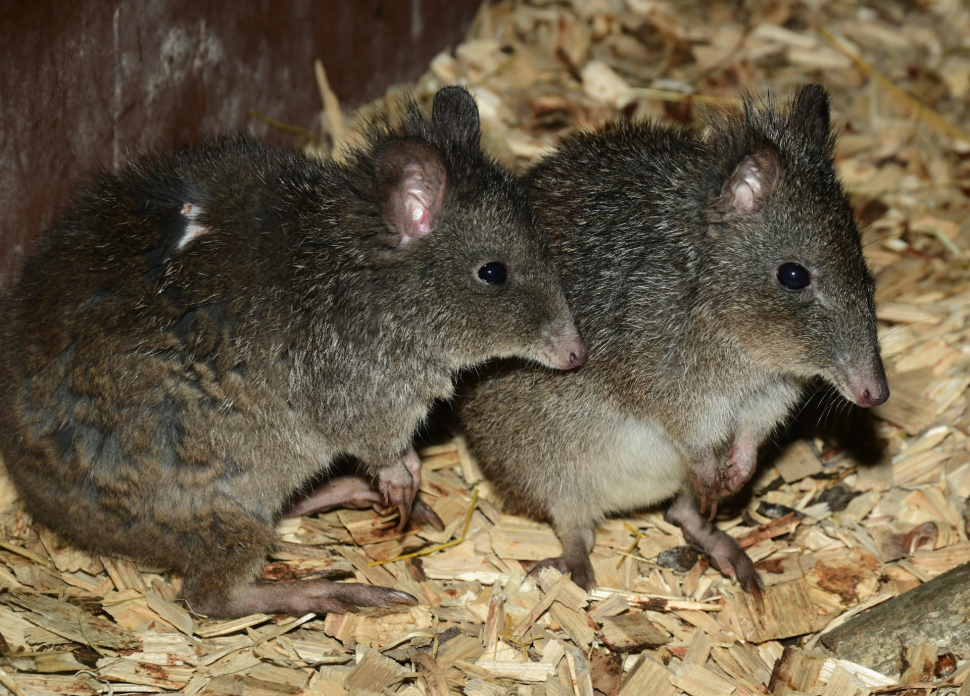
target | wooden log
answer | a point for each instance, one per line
(934, 613)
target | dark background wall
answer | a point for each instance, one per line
(82, 81)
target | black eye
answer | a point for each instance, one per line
(793, 276)
(492, 273)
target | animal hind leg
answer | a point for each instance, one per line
(220, 577)
(576, 545)
(722, 549)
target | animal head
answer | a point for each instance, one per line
(465, 234)
(786, 270)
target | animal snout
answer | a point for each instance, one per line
(869, 388)
(869, 398)
(577, 353)
(568, 351)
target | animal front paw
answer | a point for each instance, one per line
(399, 483)
(741, 459)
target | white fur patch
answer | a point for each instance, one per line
(642, 463)
(193, 229)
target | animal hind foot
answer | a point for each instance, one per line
(577, 542)
(301, 597)
(580, 572)
(722, 550)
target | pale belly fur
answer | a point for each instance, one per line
(644, 464)
(631, 464)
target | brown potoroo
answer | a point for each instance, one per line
(201, 334)
(712, 276)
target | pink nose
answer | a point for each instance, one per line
(577, 356)
(570, 353)
(867, 384)
(868, 399)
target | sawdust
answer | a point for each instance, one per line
(849, 513)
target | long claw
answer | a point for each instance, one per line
(422, 513)
(759, 598)
(404, 508)
(413, 464)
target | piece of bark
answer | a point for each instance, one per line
(572, 595)
(554, 687)
(524, 542)
(131, 672)
(933, 612)
(377, 630)
(73, 622)
(577, 625)
(461, 647)
(607, 672)
(480, 687)
(171, 612)
(373, 671)
(920, 663)
(433, 674)
(872, 679)
(612, 606)
(632, 632)
(742, 666)
(699, 649)
(542, 605)
(522, 671)
(908, 408)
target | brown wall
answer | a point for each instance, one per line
(82, 81)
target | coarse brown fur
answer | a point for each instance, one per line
(202, 333)
(670, 245)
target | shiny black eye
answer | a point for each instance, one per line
(793, 276)
(492, 273)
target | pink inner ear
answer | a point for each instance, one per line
(417, 201)
(745, 186)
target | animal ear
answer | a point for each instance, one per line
(752, 182)
(455, 112)
(411, 179)
(812, 113)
